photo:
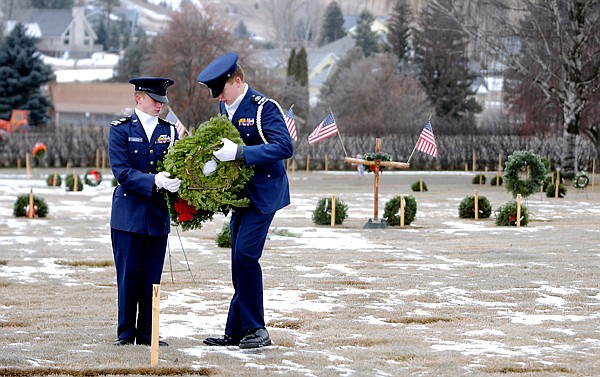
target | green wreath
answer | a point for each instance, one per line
(372, 156)
(531, 165)
(70, 183)
(199, 196)
(322, 213)
(40, 207)
(54, 180)
(581, 180)
(391, 213)
(93, 177)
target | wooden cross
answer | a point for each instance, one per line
(377, 163)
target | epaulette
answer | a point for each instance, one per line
(120, 121)
(260, 100)
(167, 122)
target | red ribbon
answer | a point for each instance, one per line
(185, 212)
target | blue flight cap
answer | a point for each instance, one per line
(216, 74)
(156, 87)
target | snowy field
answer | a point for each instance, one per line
(442, 297)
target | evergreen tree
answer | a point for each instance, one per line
(290, 63)
(365, 37)
(333, 24)
(399, 29)
(102, 34)
(22, 74)
(296, 90)
(241, 31)
(441, 52)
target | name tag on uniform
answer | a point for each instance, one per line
(136, 139)
(246, 122)
(163, 139)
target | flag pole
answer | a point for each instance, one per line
(415, 148)
(339, 134)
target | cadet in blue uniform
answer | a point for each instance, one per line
(139, 221)
(261, 124)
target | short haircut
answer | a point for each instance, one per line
(239, 72)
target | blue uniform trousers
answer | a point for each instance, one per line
(249, 228)
(139, 260)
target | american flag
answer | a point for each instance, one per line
(171, 117)
(325, 129)
(426, 143)
(291, 123)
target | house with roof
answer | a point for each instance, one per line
(85, 103)
(62, 32)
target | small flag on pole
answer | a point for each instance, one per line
(290, 122)
(325, 129)
(426, 143)
(171, 117)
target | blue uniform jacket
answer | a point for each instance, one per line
(268, 188)
(137, 206)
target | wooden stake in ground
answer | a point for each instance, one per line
(476, 206)
(75, 181)
(377, 163)
(420, 184)
(31, 210)
(54, 180)
(518, 210)
(333, 210)
(326, 165)
(557, 184)
(103, 160)
(155, 319)
(593, 172)
(27, 166)
(474, 162)
(401, 211)
(307, 163)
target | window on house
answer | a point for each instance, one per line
(66, 41)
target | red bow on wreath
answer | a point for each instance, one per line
(185, 212)
(94, 173)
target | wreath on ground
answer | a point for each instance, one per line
(39, 150)
(479, 179)
(391, 214)
(322, 213)
(581, 180)
(54, 180)
(524, 163)
(40, 207)
(372, 156)
(199, 196)
(70, 183)
(93, 177)
(417, 186)
(466, 208)
(496, 180)
(506, 215)
(224, 237)
(551, 190)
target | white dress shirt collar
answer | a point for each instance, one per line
(231, 109)
(148, 121)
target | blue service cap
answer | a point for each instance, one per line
(216, 74)
(156, 87)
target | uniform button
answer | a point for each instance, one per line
(125, 194)
(268, 175)
(135, 151)
(151, 150)
(248, 135)
(151, 162)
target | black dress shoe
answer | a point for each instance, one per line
(161, 343)
(122, 342)
(224, 341)
(255, 339)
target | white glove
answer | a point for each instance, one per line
(227, 153)
(162, 180)
(209, 168)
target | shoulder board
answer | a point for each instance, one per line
(164, 121)
(260, 100)
(120, 121)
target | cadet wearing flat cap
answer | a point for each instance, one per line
(139, 221)
(261, 124)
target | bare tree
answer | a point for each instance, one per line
(193, 38)
(561, 39)
(295, 21)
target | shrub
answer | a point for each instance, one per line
(54, 180)
(479, 179)
(506, 215)
(417, 186)
(224, 238)
(322, 213)
(551, 191)
(466, 209)
(392, 210)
